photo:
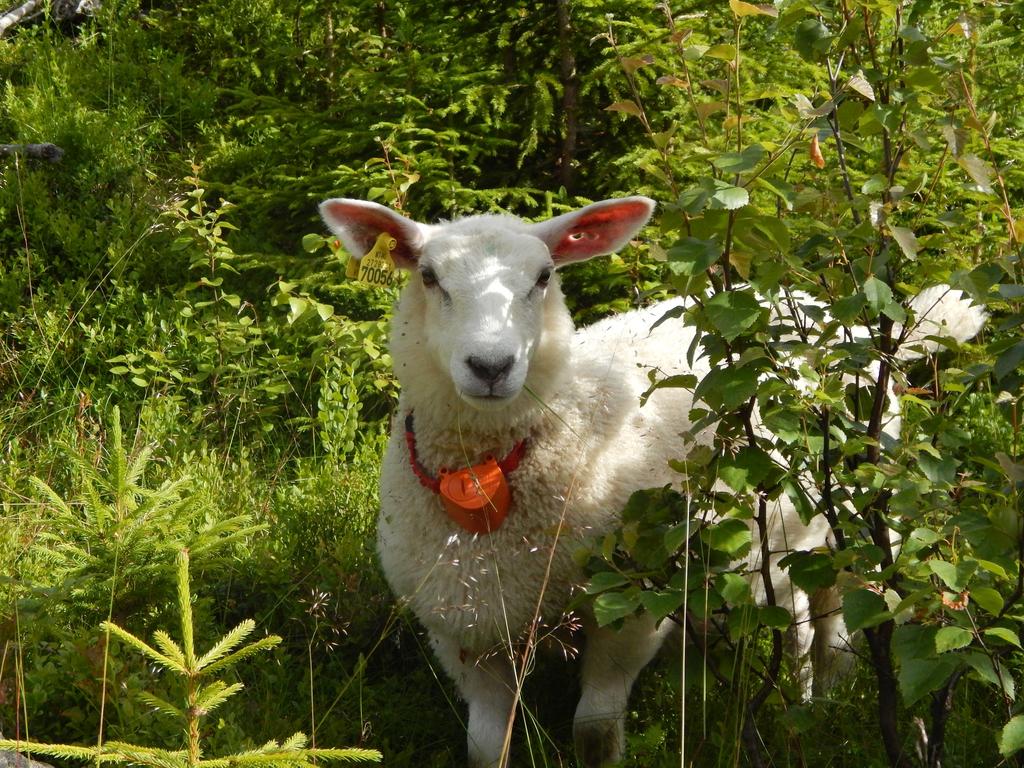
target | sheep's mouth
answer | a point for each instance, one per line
(488, 401)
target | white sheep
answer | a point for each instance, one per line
(491, 367)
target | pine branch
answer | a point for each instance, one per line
(263, 644)
(52, 496)
(169, 647)
(227, 643)
(295, 757)
(115, 454)
(350, 754)
(212, 696)
(119, 751)
(185, 608)
(297, 740)
(142, 647)
(161, 706)
(64, 751)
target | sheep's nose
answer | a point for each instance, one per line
(490, 370)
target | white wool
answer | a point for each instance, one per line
(574, 397)
(589, 447)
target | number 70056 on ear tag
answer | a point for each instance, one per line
(376, 267)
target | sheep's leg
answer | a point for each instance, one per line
(831, 653)
(800, 639)
(611, 662)
(486, 685)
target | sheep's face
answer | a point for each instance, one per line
(481, 284)
(484, 306)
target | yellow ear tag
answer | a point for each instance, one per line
(351, 268)
(377, 267)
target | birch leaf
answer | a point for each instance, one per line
(628, 106)
(860, 84)
(906, 240)
(741, 9)
(979, 171)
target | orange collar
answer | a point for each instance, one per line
(478, 497)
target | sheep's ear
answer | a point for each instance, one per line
(595, 230)
(358, 224)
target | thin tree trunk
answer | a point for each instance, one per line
(17, 15)
(50, 152)
(880, 644)
(570, 96)
(942, 703)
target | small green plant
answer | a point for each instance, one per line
(203, 695)
(117, 528)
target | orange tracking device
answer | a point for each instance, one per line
(477, 498)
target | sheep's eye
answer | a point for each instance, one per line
(428, 277)
(544, 277)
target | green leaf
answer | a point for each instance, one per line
(612, 606)
(723, 51)
(628, 106)
(1005, 634)
(906, 240)
(1011, 738)
(675, 381)
(741, 9)
(661, 604)
(746, 469)
(130, 639)
(693, 199)
(161, 706)
(605, 580)
(691, 255)
(980, 172)
(863, 608)
(954, 576)
(727, 387)
(216, 693)
(742, 621)
(730, 536)
(739, 162)
(846, 309)
(782, 190)
(732, 312)
(939, 471)
(860, 84)
(918, 677)
(913, 641)
(952, 638)
(878, 294)
(311, 243)
(729, 197)
(798, 496)
(810, 571)
(811, 39)
(775, 616)
(298, 308)
(989, 599)
(1009, 360)
(991, 672)
(675, 537)
(734, 588)
(263, 644)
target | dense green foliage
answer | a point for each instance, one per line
(184, 365)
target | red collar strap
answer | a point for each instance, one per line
(478, 497)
